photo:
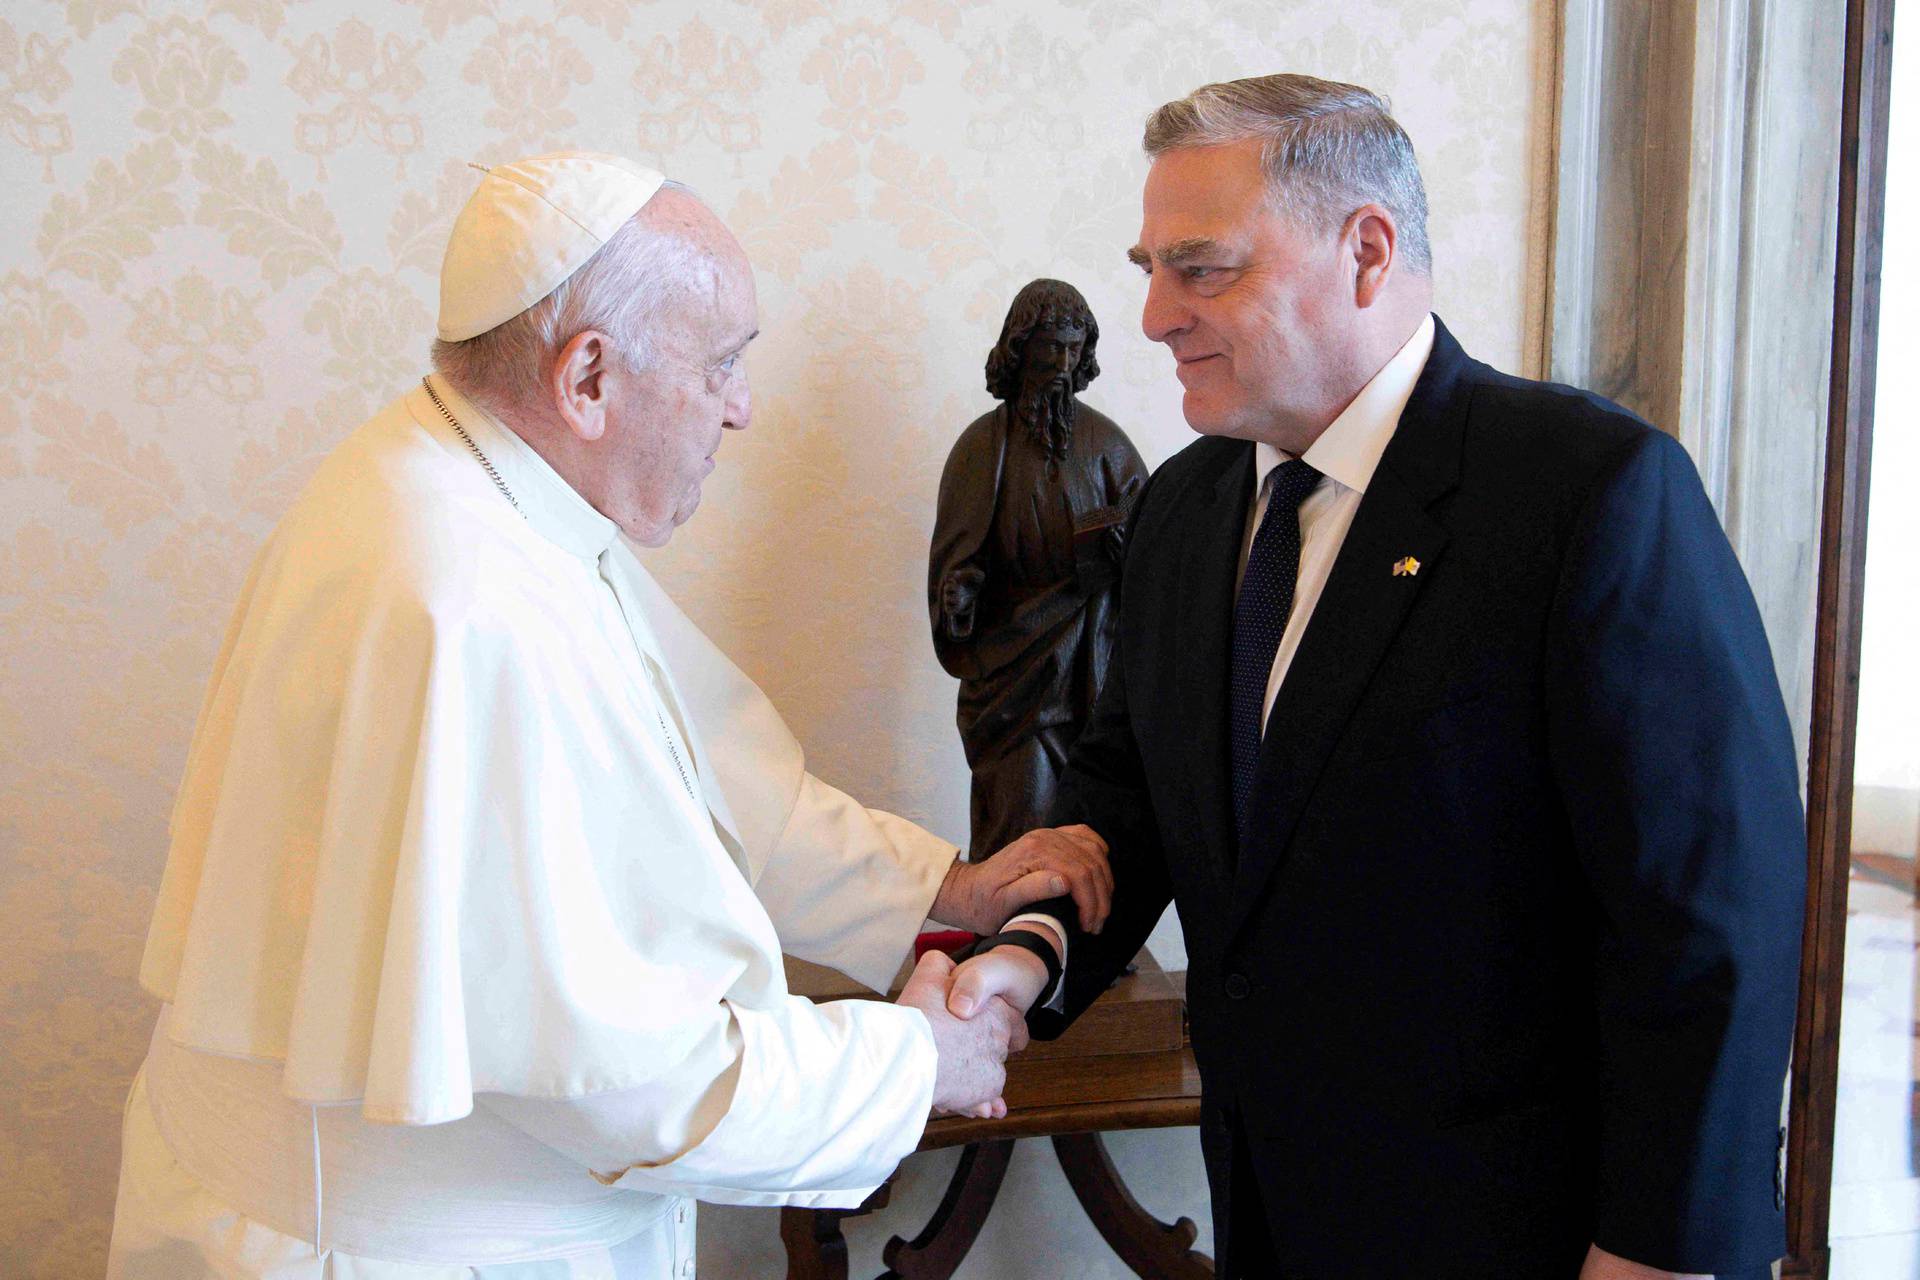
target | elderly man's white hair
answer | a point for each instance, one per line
(1328, 148)
(621, 291)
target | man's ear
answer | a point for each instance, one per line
(1372, 241)
(577, 384)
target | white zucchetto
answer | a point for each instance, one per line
(527, 227)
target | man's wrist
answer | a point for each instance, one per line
(1036, 943)
(1047, 927)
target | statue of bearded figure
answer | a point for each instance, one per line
(1026, 558)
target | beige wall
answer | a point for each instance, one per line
(219, 235)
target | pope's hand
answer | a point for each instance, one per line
(1008, 975)
(980, 896)
(973, 1052)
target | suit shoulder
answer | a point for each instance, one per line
(1198, 461)
(1201, 461)
(1175, 485)
(1549, 428)
(1554, 455)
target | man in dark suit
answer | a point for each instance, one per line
(1444, 714)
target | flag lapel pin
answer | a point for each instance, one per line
(1406, 568)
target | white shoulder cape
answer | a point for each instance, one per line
(430, 843)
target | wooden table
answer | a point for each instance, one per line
(1125, 1064)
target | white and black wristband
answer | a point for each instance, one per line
(1026, 940)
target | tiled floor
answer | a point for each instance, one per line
(1875, 1225)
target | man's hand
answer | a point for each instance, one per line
(973, 1052)
(1013, 976)
(980, 896)
(1601, 1265)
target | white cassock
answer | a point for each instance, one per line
(471, 927)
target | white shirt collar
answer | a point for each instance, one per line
(1349, 449)
(552, 507)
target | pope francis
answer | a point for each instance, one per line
(470, 935)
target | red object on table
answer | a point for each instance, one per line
(947, 940)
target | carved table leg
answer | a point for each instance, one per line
(937, 1252)
(816, 1250)
(1153, 1249)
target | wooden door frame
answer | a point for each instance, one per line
(1696, 157)
(1843, 549)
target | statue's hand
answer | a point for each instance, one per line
(958, 592)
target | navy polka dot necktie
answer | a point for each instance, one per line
(1260, 619)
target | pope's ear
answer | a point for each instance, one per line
(578, 384)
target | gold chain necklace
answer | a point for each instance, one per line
(673, 748)
(466, 439)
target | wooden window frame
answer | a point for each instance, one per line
(1865, 94)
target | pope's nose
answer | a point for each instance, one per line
(738, 409)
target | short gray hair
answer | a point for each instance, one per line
(620, 291)
(1328, 149)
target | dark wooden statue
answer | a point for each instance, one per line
(1027, 546)
(1026, 556)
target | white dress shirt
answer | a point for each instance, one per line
(1345, 455)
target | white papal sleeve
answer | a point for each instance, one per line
(846, 886)
(849, 887)
(806, 1105)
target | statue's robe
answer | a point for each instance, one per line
(1044, 530)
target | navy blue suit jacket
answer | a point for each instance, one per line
(1507, 961)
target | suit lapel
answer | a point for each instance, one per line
(1203, 634)
(1357, 616)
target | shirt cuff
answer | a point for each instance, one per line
(1057, 1002)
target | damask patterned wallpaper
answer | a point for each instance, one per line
(219, 242)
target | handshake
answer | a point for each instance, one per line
(977, 1007)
